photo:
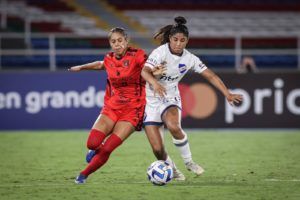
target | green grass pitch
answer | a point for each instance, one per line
(240, 165)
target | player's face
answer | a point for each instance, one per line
(118, 43)
(178, 42)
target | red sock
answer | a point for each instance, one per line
(102, 156)
(95, 139)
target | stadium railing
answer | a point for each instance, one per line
(59, 51)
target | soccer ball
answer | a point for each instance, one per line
(160, 173)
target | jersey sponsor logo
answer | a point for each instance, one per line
(168, 78)
(123, 100)
(182, 68)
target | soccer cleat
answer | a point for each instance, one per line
(81, 179)
(194, 167)
(89, 156)
(178, 175)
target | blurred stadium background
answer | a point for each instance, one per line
(40, 39)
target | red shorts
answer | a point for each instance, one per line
(132, 115)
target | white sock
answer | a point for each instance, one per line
(184, 149)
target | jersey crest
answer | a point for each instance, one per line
(182, 68)
(126, 63)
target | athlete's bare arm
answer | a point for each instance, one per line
(218, 83)
(97, 65)
(147, 74)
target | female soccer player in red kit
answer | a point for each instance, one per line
(124, 100)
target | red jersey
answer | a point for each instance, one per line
(125, 86)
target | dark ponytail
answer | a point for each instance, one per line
(165, 32)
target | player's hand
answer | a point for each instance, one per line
(159, 69)
(75, 69)
(158, 88)
(234, 98)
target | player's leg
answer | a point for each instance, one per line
(177, 174)
(156, 141)
(152, 125)
(172, 119)
(155, 137)
(155, 132)
(121, 132)
(101, 128)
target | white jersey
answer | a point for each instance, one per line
(177, 67)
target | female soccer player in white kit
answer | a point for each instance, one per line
(162, 94)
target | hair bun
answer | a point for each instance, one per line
(180, 20)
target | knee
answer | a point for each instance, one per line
(174, 127)
(92, 145)
(95, 139)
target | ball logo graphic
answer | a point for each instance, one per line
(199, 100)
(159, 173)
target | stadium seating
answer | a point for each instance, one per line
(211, 5)
(214, 25)
(224, 23)
(48, 17)
(257, 30)
(50, 5)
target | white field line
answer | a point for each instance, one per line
(120, 183)
(282, 180)
(71, 183)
